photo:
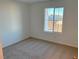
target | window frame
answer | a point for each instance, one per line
(53, 25)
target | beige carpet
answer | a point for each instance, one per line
(38, 49)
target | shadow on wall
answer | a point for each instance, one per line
(8, 38)
(10, 24)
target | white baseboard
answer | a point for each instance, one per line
(9, 44)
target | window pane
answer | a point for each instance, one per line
(59, 14)
(58, 19)
(49, 19)
(53, 19)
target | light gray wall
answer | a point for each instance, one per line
(69, 34)
(14, 22)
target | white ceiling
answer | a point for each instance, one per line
(32, 1)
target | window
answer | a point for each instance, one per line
(53, 19)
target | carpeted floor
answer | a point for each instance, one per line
(38, 49)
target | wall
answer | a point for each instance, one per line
(20, 20)
(69, 34)
(14, 22)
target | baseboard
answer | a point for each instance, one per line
(14, 43)
(51, 42)
(38, 39)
